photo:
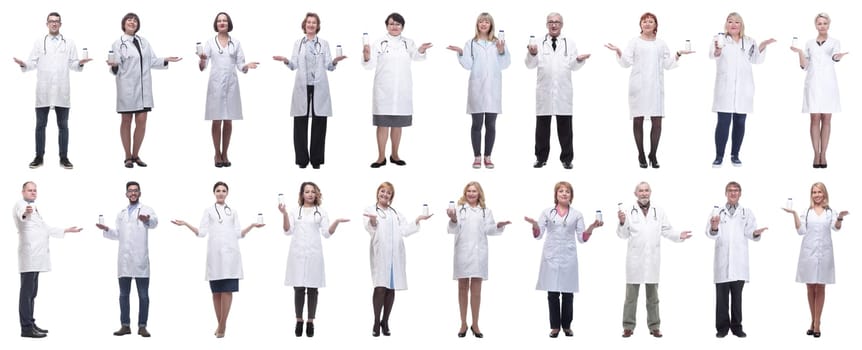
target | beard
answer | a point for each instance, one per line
(643, 201)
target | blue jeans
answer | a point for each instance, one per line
(143, 285)
(722, 128)
(62, 126)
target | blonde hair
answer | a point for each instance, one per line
(823, 15)
(479, 189)
(486, 16)
(822, 188)
(388, 186)
(318, 199)
(562, 184)
(737, 17)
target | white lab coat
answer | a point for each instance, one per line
(133, 257)
(485, 63)
(52, 60)
(644, 232)
(33, 234)
(223, 257)
(558, 271)
(554, 75)
(305, 258)
(393, 82)
(648, 59)
(816, 258)
(731, 244)
(734, 80)
(821, 83)
(317, 63)
(134, 82)
(471, 241)
(387, 251)
(223, 98)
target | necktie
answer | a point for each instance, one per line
(137, 44)
(554, 43)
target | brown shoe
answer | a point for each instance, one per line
(123, 331)
(655, 333)
(142, 331)
(627, 333)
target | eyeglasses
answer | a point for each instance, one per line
(394, 24)
(53, 21)
(133, 191)
(555, 22)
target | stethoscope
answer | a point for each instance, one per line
(45, 43)
(724, 211)
(462, 213)
(229, 44)
(565, 45)
(635, 210)
(382, 213)
(317, 216)
(227, 212)
(828, 211)
(124, 49)
(137, 214)
(553, 214)
(384, 46)
(318, 49)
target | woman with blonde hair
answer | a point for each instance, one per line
(820, 97)
(471, 222)
(816, 266)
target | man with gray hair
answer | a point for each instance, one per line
(643, 225)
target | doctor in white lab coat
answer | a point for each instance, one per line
(224, 104)
(643, 225)
(733, 97)
(224, 262)
(562, 227)
(731, 228)
(555, 57)
(133, 258)
(648, 58)
(133, 60)
(387, 228)
(305, 271)
(33, 255)
(471, 222)
(816, 266)
(53, 56)
(311, 58)
(820, 97)
(485, 56)
(392, 106)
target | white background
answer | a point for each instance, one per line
(78, 300)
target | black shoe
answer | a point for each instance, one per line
(568, 332)
(123, 331)
(384, 328)
(816, 334)
(298, 330)
(554, 334)
(653, 162)
(40, 329)
(567, 165)
(141, 163)
(375, 331)
(130, 163)
(309, 329)
(37, 162)
(717, 162)
(539, 164)
(142, 331)
(476, 334)
(642, 161)
(225, 164)
(377, 165)
(740, 334)
(462, 334)
(32, 333)
(398, 162)
(65, 163)
(809, 332)
(315, 166)
(735, 161)
(219, 164)
(303, 166)
(721, 334)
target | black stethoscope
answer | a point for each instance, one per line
(382, 213)
(553, 214)
(317, 50)
(565, 45)
(725, 211)
(463, 211)
(828, 211)
(384, 46)
(635, 210)
(314, 216)
(45, 42)
(229, 44)
(227, 212)
(124, 49)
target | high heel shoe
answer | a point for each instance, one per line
(476, 334)
(653, 162)
(554, 333)
(384, 328)
(298, 330)
(375, 331)
(642, 161)
(816, 334)
(810, 331)
(463, 333)
(568, 332)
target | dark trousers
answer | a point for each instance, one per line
(543, 137)
(560, 316)
(143, 285)
(299, 294)
(304, 153)
(62, 126)
(27, 299)
(724, 293)
(722, 129)
(490, 121)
